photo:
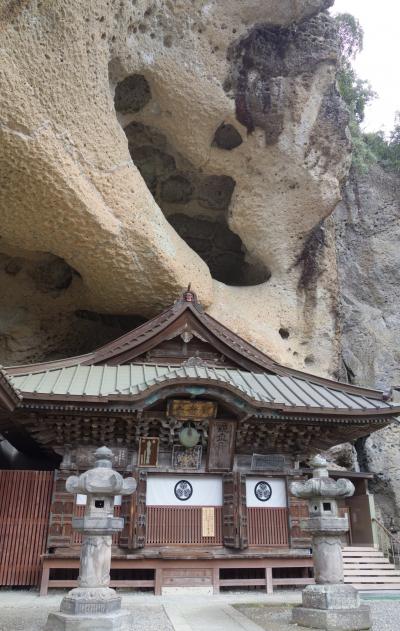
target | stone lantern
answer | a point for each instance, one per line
(330, 603)
(93, 605)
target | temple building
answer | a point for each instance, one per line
(213, 430)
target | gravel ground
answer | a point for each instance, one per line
(25, 611)
(385, 616)
(146, 618)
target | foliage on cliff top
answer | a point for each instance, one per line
(368, 148)
(386, 151)
(356, 92)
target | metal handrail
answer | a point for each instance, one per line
(387, 543)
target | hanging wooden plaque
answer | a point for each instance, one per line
(183, 458)
(85, 459)
(185, 409)
(148, 451)
(221, 445)
(208, 521)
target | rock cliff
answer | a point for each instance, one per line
(367, 226)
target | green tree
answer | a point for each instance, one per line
(394, 144)
(368, 148)
(350, 35)
(356, 92)
(386, 151)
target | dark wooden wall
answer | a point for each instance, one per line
(25, 498)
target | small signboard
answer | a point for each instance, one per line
(185, 409)
(208, 521)
(183, 458)
(268, 462)
(148, 451)
(85, 458)
(221, 443)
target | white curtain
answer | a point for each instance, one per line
(206, 490)
(278, 497)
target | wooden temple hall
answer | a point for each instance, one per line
(212, 428)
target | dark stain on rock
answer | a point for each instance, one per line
(177, 189)
(215, 191)
(262, 61)
(308, 259)
(12, 9)
(132, 94)
(53, 275)
(227, 137)
(13, 266)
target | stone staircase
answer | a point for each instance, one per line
(368, 569)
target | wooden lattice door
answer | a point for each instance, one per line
(133, 510)
(234, 511)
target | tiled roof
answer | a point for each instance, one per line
(133, 380)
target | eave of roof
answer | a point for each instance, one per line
(9, 396)
(137, 382)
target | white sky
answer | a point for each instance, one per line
(379, 62)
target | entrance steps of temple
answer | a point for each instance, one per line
(367, 569)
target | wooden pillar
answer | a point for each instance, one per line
(298, 510)
(158, 581)
(134, 512)
(215, 575)
(234, 511)
(44, 583)
(268, 580)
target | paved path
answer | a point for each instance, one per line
(207, 616)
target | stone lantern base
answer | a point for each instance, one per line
(333, 608)
(90, 609)
(118, 621)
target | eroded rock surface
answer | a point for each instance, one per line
(125, 126)
(367, 240)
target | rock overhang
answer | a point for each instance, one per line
(89, 206)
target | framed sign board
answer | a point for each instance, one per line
(85, 458)
(265, 462)
(185, 409)
(208, 521)
(221, 445)
(148, 451)
(183, 458)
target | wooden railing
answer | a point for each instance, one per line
(267, 526)
(180, 525)
(387, 544)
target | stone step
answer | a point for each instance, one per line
(370, 554)
(372, 587)
(369, 572)
(360, 548)
(369, 566)
(367, 569)
(367, 579)
(376, 560)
